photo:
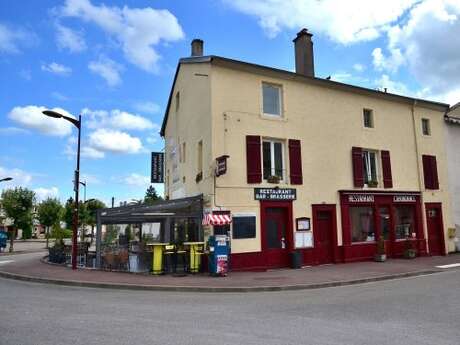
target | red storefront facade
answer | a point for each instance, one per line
(368, 215)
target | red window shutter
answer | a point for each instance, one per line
(357, 160)
(434, 173)
(253, 159)
(295, 161)
(386, 169)
(428, 172)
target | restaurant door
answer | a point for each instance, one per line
(276, 233)
(435, 228)
(323, 227)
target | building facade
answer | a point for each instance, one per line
(453, 155)
(305, 163)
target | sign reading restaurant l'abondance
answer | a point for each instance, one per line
(275, 194)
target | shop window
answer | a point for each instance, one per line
(273, 162)
(385, 224)
(362, 224)
(368, 118)
(426, 128)
(271, 95)
(185, 230)
(370, 168)
(244, 227)
(404, 221)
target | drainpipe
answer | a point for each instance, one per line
(420, 184)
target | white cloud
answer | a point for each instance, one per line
(12, 39)
(85, 150)
(136, 180)
(56, 68)
(390, 63)
(20, 177)
(90, 179)
(359, 67)
(107, 140)
(59, 96)
(147, 107)
(13, 131)
(107, 69)
(31, 117)
(343, 21)
(45, 193)
(70, 39)
(428, 43)
(116, 119)
(137, 30)
(392, 86)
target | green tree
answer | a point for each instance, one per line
(17, 204)
(68, 212)
(92, 206)
(151, 196)
(49, 214)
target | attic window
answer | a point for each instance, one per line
(368, 118)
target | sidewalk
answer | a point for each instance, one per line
(30, 267)
(25, 246)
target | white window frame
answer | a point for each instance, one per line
(280, 95)
(368, 176)
(272, 157)
(429, 126)
(371, 118)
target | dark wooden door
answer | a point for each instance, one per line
(323, 235)
(435, 229)
(384, 224)
(275, 236)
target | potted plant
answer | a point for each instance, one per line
(273, 179)
(372, 183)
(409, 251)
(380, 255)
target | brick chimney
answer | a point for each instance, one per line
(303, 46)
(197, 47)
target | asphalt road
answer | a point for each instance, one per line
(421, 310)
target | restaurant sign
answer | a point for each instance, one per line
(360, 198)
(275, 194)
(157, 174)
(221, 165)
(404, 198)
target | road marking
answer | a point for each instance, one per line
(449, 266)
(6, 261)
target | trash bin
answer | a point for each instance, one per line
(296, 259)
(219, 251)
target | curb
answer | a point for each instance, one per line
(120, 286)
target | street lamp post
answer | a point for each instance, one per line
(6, 179)
(76, 123)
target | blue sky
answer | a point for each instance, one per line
(114, 62)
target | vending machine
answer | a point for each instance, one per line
(219, 252)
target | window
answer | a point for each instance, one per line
(370, 168)
(182, 153)
(273, 162)
(199, 175)
(404, 221)
(271, 95)
(177, 100)
(362, 224)
(368, 118)
(430, 172)
(244, 227)
(426, 128)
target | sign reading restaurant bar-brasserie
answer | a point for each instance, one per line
(275, 194)
(361, 198)
(404, 198)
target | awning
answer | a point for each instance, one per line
(217, 219)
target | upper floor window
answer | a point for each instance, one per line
(370, 168)
(426, 128)
(273, 159)
(199, 175)
(271, 95)
(368, 118)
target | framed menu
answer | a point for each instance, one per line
(303, 224)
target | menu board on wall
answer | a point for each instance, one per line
(303, 239)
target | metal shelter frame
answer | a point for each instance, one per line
(167, 211)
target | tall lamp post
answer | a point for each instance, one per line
(6, 179)
(76, 123)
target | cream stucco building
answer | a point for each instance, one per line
(314, 165)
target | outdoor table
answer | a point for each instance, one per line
(157, 257)
(194, 255)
